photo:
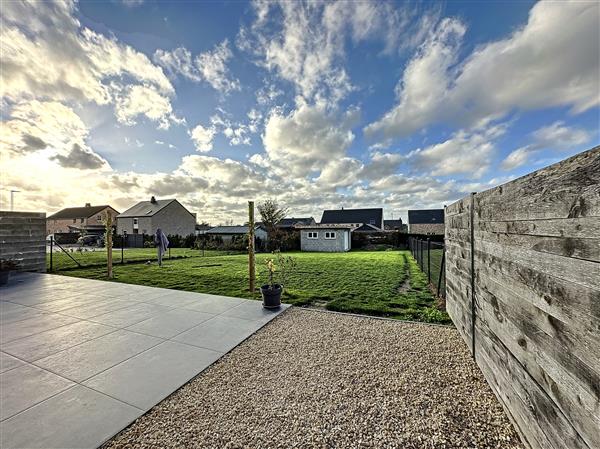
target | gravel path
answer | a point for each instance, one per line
(318, 380)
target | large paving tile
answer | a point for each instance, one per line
(214, 304)
(98, 307)
(76, 418)
(253, 310)
(49, 342)
(169, 324)
(40, 296)
(8, 362)
(130, 315)
(65, 303)
(221, 333)
(31, 326)
(83, 361)
(149, 377)
(27, 385)
(11, 312)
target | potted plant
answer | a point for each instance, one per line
(271, 292)
(6, 266)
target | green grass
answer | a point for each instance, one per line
(377, 283)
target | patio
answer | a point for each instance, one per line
(82, 359)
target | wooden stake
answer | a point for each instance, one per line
(251, 268)
(108, 243)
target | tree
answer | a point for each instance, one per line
(271, 214)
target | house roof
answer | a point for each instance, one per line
(426, 216)
(353, 216)
(366, 227)
(77, 212)
(325, 226)
(229, 230)
(291, 222)
(391, 224)
(146, 208)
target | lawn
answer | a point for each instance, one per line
(382, 283)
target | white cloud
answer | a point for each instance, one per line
(210, 66)
(463, 153)
(203, 137)
(535, 67)
(556, 136)
(142, 100)
(85, 67)
(304, 43)
(307, 139)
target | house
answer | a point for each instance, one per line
(394, 225)
(87, 219)
(367, 229)
(229, 233)
(354, 217)
(147, 216)
(332, 238)
(288, 224)
(201, 228)
(426, 221)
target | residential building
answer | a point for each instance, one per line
(393, 225)
(288, 224)
(229, 233)
(354, 217)
(87, 219)
(147, 216)
(332, 238)
(426, 221)
(202, 228)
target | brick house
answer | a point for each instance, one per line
(147, 216)
(87, 219)
(426, 221)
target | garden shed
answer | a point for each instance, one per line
(333, 238)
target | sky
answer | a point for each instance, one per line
(318, 105)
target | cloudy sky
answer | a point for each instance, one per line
(320, 105)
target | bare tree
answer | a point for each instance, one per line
(271, 214)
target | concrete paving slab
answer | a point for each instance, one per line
(32, 326)
(41, 345)
(83, 361)
(172, 323)
(8, 362)
(214, 304)
(27, 385)
(11, 312)
(221, 333)
(149, 377)
(76, 418)
(130, 315)
(95, 308)
(253, 310)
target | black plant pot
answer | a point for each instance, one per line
(4, 277)
(271, 296)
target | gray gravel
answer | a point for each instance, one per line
(318, 380)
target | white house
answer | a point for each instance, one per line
(332, 238)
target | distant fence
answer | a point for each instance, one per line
(523, 288)
(22, 236)
(430, 256)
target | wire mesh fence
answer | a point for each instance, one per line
(69, 256)
(431, 259)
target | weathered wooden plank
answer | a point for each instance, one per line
(582, 227)
(582, 272)
(544, 347)
(568, 189)
(575, 247)
(538, 419)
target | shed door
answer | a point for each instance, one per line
(346, 241)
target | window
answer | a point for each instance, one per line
(313, 235)
(99, 218)
(74, 220)
(330, 235)
(81, 220)
(372, 221)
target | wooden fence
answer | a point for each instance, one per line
(23, 238)
(523, 288)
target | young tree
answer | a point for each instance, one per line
(271, 214)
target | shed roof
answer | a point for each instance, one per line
(77, 212)
(146, 208)
(229, 230)
(426, 216)
(290, 222)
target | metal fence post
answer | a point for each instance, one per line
(122, 246)
(442, 271)
(51, 251)
(428, 260)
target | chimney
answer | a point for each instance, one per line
(153, 200)
(88, 205)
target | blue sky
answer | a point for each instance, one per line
(319, 105)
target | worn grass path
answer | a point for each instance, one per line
(367, 282)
